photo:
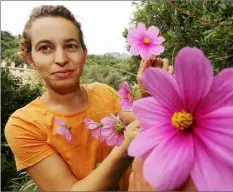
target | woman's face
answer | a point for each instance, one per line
(57, 53)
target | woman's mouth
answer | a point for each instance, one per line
(63, 73)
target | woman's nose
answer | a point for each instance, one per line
(61, 57)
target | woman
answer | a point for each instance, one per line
(53, 44)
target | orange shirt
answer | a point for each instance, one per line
(31, 133)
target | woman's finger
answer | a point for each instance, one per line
(165, 64)
(157, 63)
(144, 65)
(170, 69)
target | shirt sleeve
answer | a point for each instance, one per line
(27, 142)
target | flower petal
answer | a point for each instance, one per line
(157, 49)
(141, 27)
(68, 136)
(221, 93)
(162, 86)
(220, 120)
(215, 129)
(108, 121)
(194, 75)
(219, 144)
(61, 130)
(115, 118)
(95, 133)
(90, 123)
(120, 140)
(122, 93)
(107, 130)
(208, 173)
(59, 121)
(135, 50)
(153, 30)
(158, 40)
(133, 36)
(168, 166)
(150, 113)
(143, 143)
(126, 104)
(145, 53)
(112, 139)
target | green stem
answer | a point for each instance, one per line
(123, 71)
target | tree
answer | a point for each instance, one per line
(10, 47)
(105, 69)
(207, 25)
(15, 95)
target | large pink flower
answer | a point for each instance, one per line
(187, 125)
(126, 95)
(113, 130)
(95, 128)
(145, 42)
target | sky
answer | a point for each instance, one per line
(102, 21)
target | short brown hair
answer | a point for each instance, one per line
(47, 11)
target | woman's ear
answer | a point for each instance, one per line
(85, 52)
(29, 60)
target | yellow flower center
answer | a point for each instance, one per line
(182, 120)
(129, 96)
(146, 40)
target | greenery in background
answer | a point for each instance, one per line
(10, 48)
(23, 183)
(214, 37)
(179, 30)
(14, 95)
(106, 69)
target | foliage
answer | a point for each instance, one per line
(180, 29)
(15, 95)
(105, 69)
(10, 47)
(23, 183)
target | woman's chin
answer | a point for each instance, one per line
(64, 85)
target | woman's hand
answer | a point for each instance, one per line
(132, 130)
(137, 182)
(152, 62)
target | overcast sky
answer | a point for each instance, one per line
(102, 21)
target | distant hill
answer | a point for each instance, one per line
(118, 55)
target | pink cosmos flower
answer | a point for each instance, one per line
(187, 125)
(145, 42)
(95, 127)
(63, 129)
(113, 130)
(126, 95)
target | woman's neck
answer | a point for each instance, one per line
(70, 102)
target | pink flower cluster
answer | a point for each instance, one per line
(110, 129)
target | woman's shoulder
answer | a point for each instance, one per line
(96, 85)
(34, 108)
(100, 89)
(30, 115)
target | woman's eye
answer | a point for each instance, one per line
(45, 48)
(72, 47)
